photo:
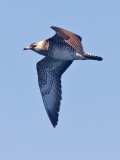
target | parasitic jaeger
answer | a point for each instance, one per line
(59, 51)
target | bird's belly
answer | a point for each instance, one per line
(63, 54)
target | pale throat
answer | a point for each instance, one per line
(42, 47)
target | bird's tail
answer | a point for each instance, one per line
(92, 57)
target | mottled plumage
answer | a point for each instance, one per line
(59, 51)
(49, 78)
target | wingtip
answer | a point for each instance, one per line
(53, 120)
(52, 27)
(54, 124)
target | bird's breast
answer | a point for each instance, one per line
(63, 52)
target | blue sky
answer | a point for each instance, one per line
(89, 121)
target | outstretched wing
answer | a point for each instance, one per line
(72, 39)
(49, 79)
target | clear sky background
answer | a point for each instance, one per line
(89, 119)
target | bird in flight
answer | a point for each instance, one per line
(59, 51)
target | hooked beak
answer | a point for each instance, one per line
(26, 48)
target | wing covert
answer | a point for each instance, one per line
(72, 39)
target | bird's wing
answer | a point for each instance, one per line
(57, 39)
(72, 39)
(49, 79)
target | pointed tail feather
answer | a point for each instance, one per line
(92, 57)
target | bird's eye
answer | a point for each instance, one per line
(34, 45)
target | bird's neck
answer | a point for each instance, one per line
(43, 47)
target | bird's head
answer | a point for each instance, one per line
(31, 47)
(37, 47)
